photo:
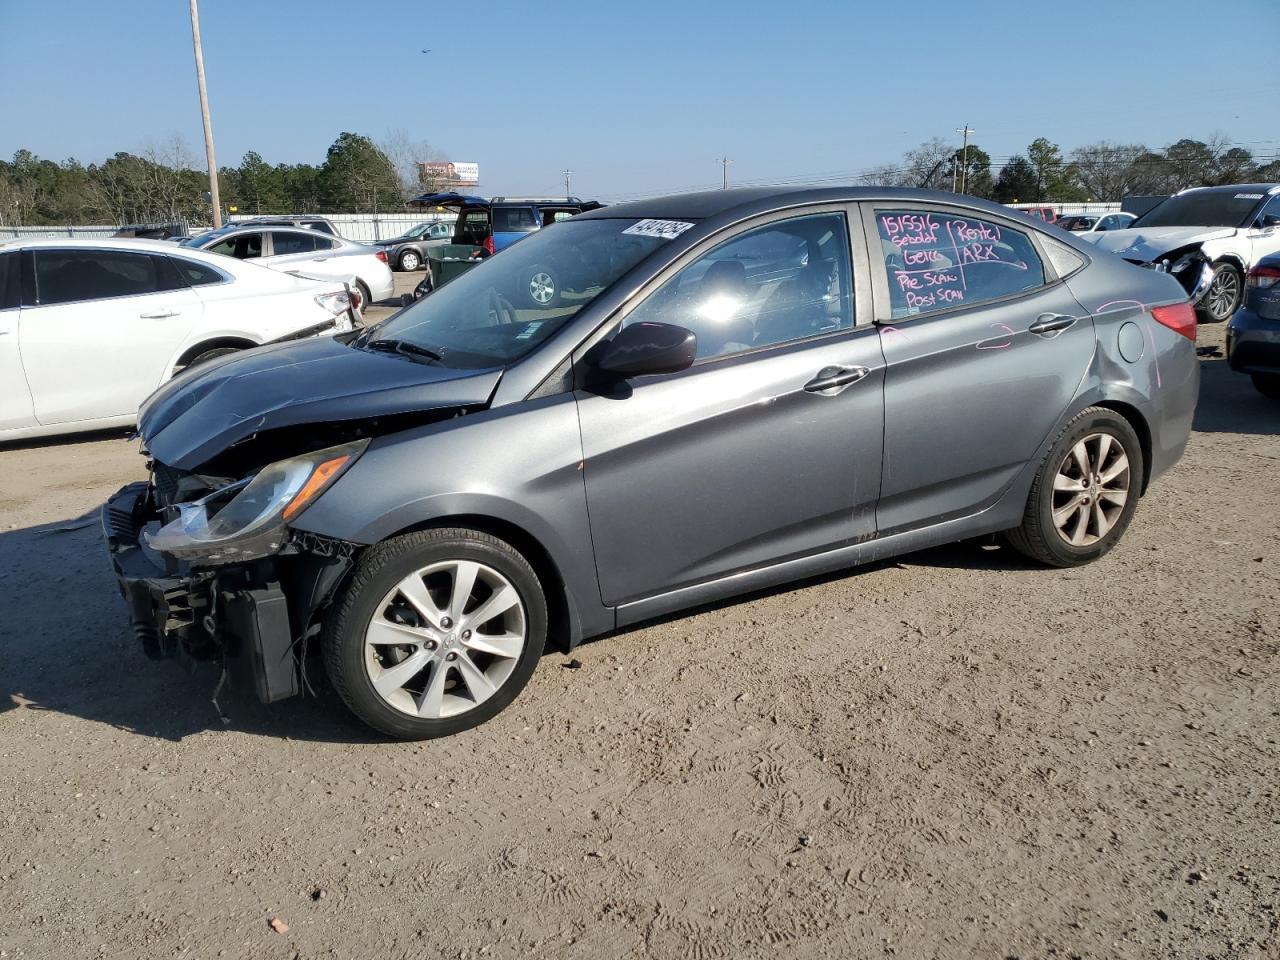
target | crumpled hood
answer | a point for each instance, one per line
(200, 413)
(1148, 243)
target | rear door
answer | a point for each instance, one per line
(101, 330)
(984, 347)
(15, 396)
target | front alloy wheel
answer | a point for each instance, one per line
(1223, 296)
(437, 632)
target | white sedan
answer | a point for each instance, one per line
(89, 328)
(305, 252)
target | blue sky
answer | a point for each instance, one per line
(636, 98)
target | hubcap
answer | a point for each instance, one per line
(445, 639)
(409, 261)
(1223, 292)
(1090, 489)
(542, 288)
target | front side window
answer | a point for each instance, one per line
(775, 284)
(1272, 209)
(487, 317)
(285, 242)
(71, 276)
(936, 260)
(9, 293)
(243, 246)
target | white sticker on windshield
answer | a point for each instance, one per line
(662, 229)
(529, 330)
(1248, 196)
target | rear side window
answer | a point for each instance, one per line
(513, 220)
(472, 226)
(9, 297)
(244, 246)
(283, 243)
(71, 276)
(936, 260)
(196, 274)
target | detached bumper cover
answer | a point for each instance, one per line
(204, 614)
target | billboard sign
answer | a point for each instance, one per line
(453, 172)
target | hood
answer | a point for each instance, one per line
(199, 414)
(1148, 243)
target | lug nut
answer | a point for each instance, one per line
(430, 644)
(446, 622)
(451, 656)
(466, 634)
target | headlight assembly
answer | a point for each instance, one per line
(248, 519)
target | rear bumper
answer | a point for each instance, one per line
(222, 615)
(1253, 343)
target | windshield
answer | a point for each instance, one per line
(199, 240)
(1219, 208)
(506, 306)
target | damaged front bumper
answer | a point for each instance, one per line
(254, 617)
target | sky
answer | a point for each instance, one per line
(635, 98)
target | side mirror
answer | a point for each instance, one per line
(648, 348)
(1270, 222)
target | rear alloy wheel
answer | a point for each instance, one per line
(1085, 492)
(1267, 384)
(410, 261)
(437, 632)
(1223, 296)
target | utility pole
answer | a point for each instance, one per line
(724, 172)
(964, 163)
(204, 113)
(568, 175)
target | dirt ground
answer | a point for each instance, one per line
(953, 756)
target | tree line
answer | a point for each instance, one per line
(360, 175)
(1098, 171)
(163, 183)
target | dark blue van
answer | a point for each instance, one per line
(498, 222)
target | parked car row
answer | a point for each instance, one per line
(89, 328)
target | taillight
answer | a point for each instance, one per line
(1263, 277)
(1178, 317)
(381, 255)
(488, 244)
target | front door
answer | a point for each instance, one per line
(985, 349)
(768, 447)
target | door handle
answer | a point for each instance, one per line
(1050, 325)
(318, 259)
(158, 314)
(831, 380)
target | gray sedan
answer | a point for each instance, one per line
(736, 390)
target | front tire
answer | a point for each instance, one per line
(1267, 384)
(1222, 299)
(436, 632)
(1085, 492)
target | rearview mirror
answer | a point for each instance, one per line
(643, 349)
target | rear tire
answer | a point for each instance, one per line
(465, 670)
(410, 261)
(1223, 296)
(1267, 384)
(539, 287)
(1085, 492)
(366, 298)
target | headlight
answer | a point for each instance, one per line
(248, 519)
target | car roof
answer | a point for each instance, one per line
(100, 243)
(1234, 188)
(748, 201)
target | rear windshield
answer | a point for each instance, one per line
(508, 305)
(1217, 209)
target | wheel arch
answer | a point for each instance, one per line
(210, 343)
(1135, 419)
(564, 626)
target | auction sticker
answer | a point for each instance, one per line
(1248, 196)
(662, 229)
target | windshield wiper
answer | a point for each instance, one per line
(404, 348)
